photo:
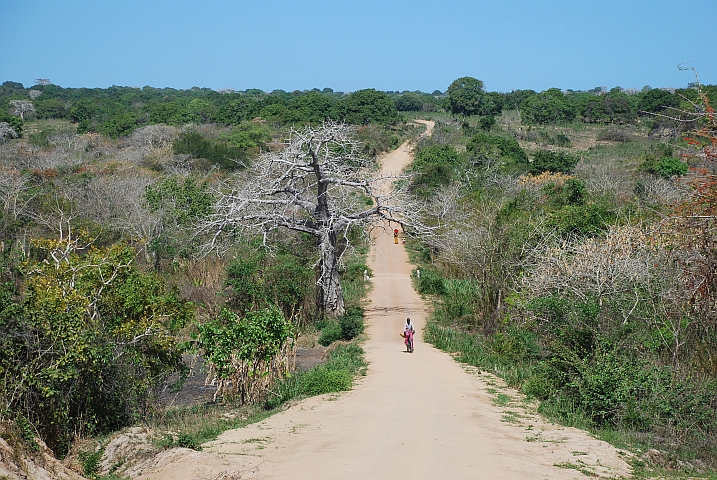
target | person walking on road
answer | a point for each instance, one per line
(408, 332)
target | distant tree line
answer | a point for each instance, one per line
(596, 106)
(117, 111)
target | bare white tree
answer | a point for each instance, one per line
(13, 193)
(153, 136)
(318, 185)
(600, 268)
(69, 140)
(22, 108)
(6, 131)
(120, 201)
(654, 276)
(34, 94)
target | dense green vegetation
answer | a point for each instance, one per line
(86, 341)
(576, 264)
(118, 111)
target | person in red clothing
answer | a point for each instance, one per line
(408, 332)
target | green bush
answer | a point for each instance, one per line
(657, 100)
(90, 462)
(542, 383)
(348, 357)
(615, 106)
(547, 161)
(321, 380)
(660, 160)
(550, 106)
(582, 220)
(120, 125)
(186, 440)
(249, 136)
(375, 140)
(217, 152)
(514, 209)
(95, 368)
(257, 336)
(430, 283)
(435, 167)
(570, 192)
(354, 271)
(516, 344)
(431, 178)
(351, 323)
(257, 280)
(506, 147)
(311, 107)
(408, 102)
(486, 123)
(436, 155)
(665, 167)
(605, 387)
(368, 106)
(459, 297)
(330, 332)
(346, 327)
(15, 122)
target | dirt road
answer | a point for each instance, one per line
(418, 416)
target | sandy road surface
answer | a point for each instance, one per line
(418, 416)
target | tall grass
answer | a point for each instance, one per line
(474, 350)
(345, 362)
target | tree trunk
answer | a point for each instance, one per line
(330, 298)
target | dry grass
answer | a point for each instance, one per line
(545, 177)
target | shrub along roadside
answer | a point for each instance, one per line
(586, 380)
(192, 426)
(346, 327)
(345, 361)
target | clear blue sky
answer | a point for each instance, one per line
(350, 45)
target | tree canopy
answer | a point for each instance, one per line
(465, 96)
(367, 106)
(550, 106)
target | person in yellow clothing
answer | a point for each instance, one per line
(395, 236)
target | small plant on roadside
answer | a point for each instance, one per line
(90, 461)
(246, 353)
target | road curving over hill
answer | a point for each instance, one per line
(418, 416)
